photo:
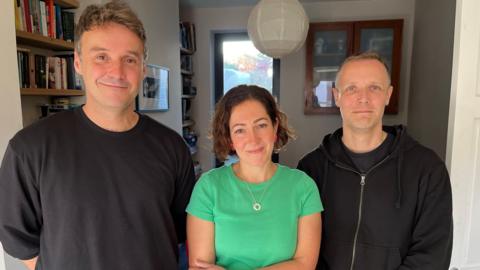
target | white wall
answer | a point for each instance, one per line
(310, 128)
(431, 73)
(10, 109)
(160, 19)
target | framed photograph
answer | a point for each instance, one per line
(153, 96)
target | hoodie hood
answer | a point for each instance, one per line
(333, 149)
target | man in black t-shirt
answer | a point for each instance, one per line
(387, 199)
(100, 187)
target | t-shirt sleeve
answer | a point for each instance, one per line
(20, 210)
(201, 203)
(184, 182)
(311, 202)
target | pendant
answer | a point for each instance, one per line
(257, 206)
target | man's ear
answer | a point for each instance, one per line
(77, 63)
(336, 95)
(389, 95)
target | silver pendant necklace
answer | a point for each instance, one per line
(257, 206)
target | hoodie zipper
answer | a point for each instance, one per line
(362, 185)
(360, 205)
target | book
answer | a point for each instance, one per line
(43, 18)
(68, 24)
(58, 22)
(40, 71)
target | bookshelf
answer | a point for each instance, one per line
(187, 50)
(50, 92)
(39, 41)
(37, 44)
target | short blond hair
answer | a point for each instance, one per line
(362, 56)
(115, 11)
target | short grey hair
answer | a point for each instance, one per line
(115, 11)
(363, 56)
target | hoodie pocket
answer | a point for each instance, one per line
(376, 257)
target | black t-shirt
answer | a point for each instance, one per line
(364, 161)
(81, 197)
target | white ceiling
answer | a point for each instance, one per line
(233, 3)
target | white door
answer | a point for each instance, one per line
(463, 145)
(2, 260)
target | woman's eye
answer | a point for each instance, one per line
(238, 131)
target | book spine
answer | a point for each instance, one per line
(28, 20)
(43, 18)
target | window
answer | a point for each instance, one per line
(237, 61)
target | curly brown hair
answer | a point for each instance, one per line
(115, 11)
(220, 130)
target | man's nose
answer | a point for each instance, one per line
(363, 94)
(117, 69)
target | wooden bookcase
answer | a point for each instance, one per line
(39, 44)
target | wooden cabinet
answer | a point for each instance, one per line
(328, 44)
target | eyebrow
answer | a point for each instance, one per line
(101, 49)
(256, 121)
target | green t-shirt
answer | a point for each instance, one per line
(249, 239)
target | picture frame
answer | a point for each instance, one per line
(154, 93)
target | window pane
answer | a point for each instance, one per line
(244, 64)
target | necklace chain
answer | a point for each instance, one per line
(257, 204)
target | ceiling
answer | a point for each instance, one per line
(233, 3)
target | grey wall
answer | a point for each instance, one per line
(310, 128)
(431, 73)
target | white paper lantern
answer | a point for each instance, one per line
(278, 27)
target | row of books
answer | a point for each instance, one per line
(186, 62)
(187, 36)
(45, 18)
(49, 72)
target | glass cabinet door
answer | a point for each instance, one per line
(384, 38)
(327, 47)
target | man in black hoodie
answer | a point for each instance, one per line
(388, 201)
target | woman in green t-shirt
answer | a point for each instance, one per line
(254, 213)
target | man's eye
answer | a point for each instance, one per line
(101, 58)
(131, 61)
(350, 89)
(375, 88)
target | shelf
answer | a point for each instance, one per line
(188, 96)
(188, 123)
(67, 3)
(186, 72)
(37, 40)
(186, 51)
(50, 92)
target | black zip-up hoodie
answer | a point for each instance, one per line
(398, 215)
